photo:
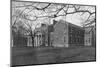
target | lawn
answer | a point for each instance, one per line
(45, 55)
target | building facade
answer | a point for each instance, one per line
(41, 36)
(90, 37)
(18, 40)
(38, 39)
(58, 34)
(76, 35)
(66, 34)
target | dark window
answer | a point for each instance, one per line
(89, 40)
(64, 39)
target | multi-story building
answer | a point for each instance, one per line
(66, 34)
(41, 37)
(58, 34)
(18, 40)
(90, 37)
(76, 35)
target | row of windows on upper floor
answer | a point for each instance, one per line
(76, 30)
(76, 40)
(76, 36)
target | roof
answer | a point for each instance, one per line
(66, 22)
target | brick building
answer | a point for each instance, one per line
(41, 37)
(18, 40)
(58, 34)
(90, 37)
(66, 34)
(76, 35)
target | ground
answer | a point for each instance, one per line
(45, 55)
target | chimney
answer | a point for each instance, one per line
(54, 22)
(43, 25)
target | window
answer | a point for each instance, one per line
(64, 39)
(89, 40)
(86, 41)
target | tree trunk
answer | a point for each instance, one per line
(33, 41)
(32, 37)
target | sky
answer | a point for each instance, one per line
(76, 18)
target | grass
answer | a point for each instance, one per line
(46, 55)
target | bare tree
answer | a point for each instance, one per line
(22, 24)
(52, 10)
(30, 13)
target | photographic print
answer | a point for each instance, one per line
(52, 33)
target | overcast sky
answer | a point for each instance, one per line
(76, 18)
